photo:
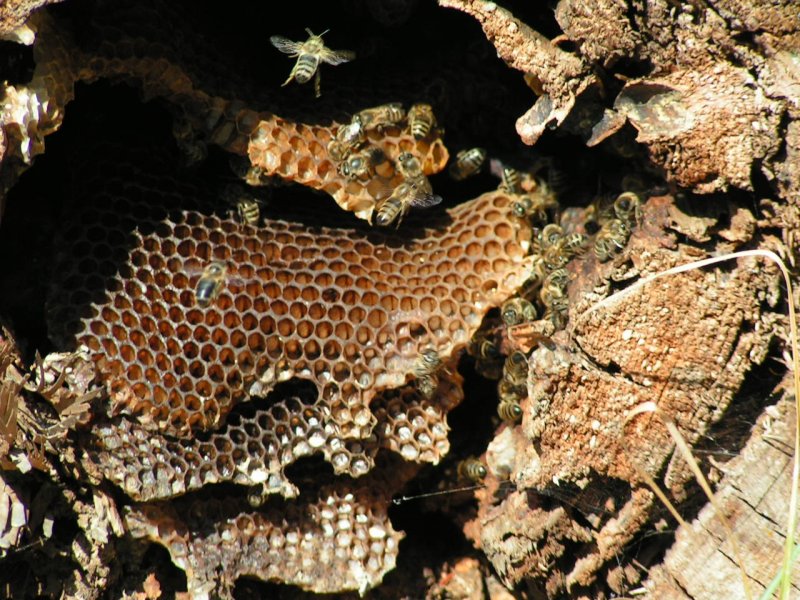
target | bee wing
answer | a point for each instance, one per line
(336, 57)
(285, 44)
(422, 198)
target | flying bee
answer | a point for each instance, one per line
(516, 311)
(249, 211)
(510, 411)
(527, 336)
(421, 120)
(467, 163)
(361, 165)
(382, 116)
(347, 139)
(414, 192)
(309, 54)
(627, 207)
(611, 238)
(248, 208)
(210, 283)
(510, 181)
(472, 469)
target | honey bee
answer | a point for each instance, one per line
(248, 208)
(427, 385)
(510, 411)
(557, 279)
(554, 258)
(414, 192)
(210, 283)
(382, 116)
(611, 238)
(535, 206)
(516, 311)
(361, 165)
(551, 296)
(515, 368)
(309, 54)
(526, 336)
(347, 139)
(557, 317)
(472, 469)
(427, 362)
(627, 207)
(249, 211)
(550, 235)
(510, 181)
(511, 390)
(487, 356)
(553, 287)
(421, 120)
(480, 346)
(424, 370)
(467, 163)
(572, 244)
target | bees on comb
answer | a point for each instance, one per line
(309, 55)
(425, 367)
(358, 161)
(210, 283)
(421, 120)
(415, 191)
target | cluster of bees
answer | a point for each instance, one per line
(360, 161)
(554, 245)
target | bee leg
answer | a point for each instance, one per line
(317, 79)
(291, 76)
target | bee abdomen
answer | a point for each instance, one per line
(510, 411)
(472, 469)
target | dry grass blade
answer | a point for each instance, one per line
(686, 452)
(795, 494)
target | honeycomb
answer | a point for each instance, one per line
(255, 445)
(30, 112)
(347, 309)
(339, 539)
(299, 153)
